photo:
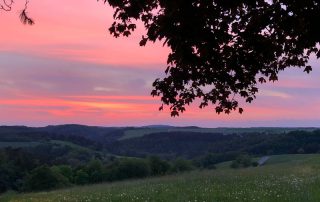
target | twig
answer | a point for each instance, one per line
(6, 6)
(24, 18)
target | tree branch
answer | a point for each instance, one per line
(6, 6)
(24, 18)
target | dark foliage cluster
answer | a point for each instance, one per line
(16, 164)
(222, 49)
(243, 161)
(21, 171)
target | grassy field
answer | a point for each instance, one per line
(291, 178)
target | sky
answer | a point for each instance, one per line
(68, 69)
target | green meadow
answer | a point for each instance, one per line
(291, 178)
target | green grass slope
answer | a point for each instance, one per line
(291, 178)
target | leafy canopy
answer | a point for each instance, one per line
(222, 49)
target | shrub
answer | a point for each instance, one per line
(208, 161)
(241, 161)
(181, 165)
(95, 171)
(128, 168)
(158, 166)
(81, 177)
(44, 178)
(64, 170)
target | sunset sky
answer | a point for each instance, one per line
(68, 69)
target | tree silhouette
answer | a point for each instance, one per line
(221, 49)
(6, 5)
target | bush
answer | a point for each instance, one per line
(44, 178)
(128, 168)
(158, 166)
(241, 161)
(95, 171)
(208, 161)
(81, 177)
(181, 165)
(64, 170)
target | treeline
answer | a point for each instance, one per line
(21, 171)
(40, 136)
(225, 147)
(17, 163)
(47, 178)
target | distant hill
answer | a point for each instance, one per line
(158, 126)
(94, 133)
(142, 131)
(115, 133)
(168, 141)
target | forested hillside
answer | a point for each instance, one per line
(74, 154)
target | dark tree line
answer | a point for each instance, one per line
(192, 145)
(26, 170)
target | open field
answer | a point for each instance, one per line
(284, 178)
